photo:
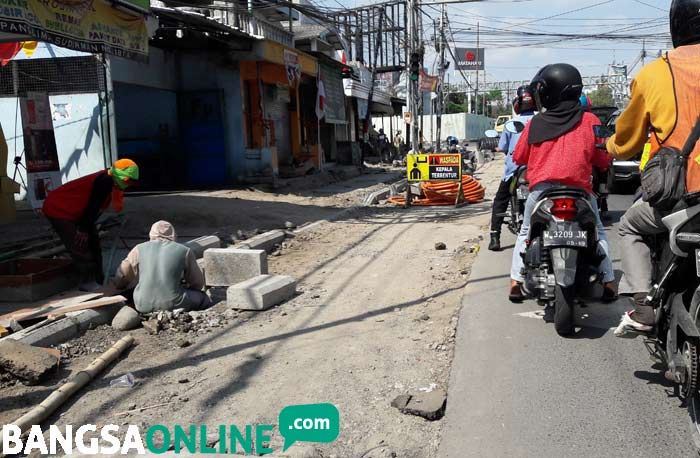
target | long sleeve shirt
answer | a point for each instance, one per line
(568, 160)
(665, 103)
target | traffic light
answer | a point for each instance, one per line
(416, 59)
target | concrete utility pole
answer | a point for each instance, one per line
(441, 77)
(476, 88)
(412, 89)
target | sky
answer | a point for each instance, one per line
(507, 59)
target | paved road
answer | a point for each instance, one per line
(519, 390)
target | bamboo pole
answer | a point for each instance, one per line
(41, 412)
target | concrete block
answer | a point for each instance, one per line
(200, 245)
(261, 292)
(72, 325)
(228, 266)
(265, 241)
(377, 196)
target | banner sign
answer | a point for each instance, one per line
(41, 156)
(91, 26)
(470, 58)
(428, 83)
(434, 167)
(291, 64)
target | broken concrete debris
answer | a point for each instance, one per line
(24, 361)
(126, 319)
(261, 292)
(153, 326)
(430, 406)
(228, 266)
(440, 246)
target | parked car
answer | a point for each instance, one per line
(605, 113)
(501, 122)
(624, 171)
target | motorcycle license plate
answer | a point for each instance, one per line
(576, 239)
(522, 193)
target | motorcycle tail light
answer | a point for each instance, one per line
(564, 209)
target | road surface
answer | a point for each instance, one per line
(519, 390)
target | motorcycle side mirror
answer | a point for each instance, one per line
(514, 127)
(491, 134)
(601, 131)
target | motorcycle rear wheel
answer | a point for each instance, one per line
(693, 397)
(564, 310)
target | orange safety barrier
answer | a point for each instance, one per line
(445, 193)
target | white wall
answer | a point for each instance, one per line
(79, 139)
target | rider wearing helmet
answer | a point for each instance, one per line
(559, 148)
(524, 107)
(666, 102)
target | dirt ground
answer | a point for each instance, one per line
(375, 317)
(224, 212)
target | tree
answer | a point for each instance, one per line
(602, 97)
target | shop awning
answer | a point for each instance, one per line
(93, 26)
(277, 53)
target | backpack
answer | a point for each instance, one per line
(664, 177)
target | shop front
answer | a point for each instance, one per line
(281, 129)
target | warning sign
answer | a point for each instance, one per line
(434, 167)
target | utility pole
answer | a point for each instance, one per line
(441, 76)
(476, 88)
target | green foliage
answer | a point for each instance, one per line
(602, 97)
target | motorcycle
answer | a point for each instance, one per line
(519, 192)
(675, 339)
(563, 254)
(562, 257)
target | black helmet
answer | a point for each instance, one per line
(525, 101)
(556, 83)
(685, 22)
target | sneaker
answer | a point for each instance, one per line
(629, 328)
(495, 244)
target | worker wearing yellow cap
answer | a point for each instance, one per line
(73, 210)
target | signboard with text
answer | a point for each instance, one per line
(41, 156)
(470, 58)
(92, 26)
(434, 167)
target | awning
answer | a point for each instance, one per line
(277, 53)
(92, 26)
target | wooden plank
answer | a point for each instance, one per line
(43, 309)
(3, 331)
(86, 305)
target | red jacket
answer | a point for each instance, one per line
(80, 200)
(568, 159)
